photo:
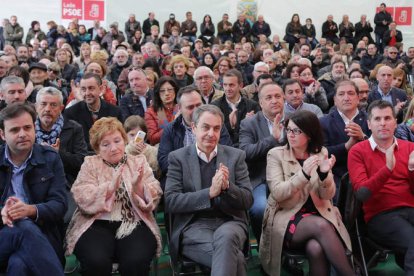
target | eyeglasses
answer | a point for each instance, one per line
(295, 131)
(392, 53)
(54, 71)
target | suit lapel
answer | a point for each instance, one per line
(194, 166)
(264, 129)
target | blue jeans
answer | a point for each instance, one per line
(25, 250)
(256, 212)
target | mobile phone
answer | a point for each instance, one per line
(140, 137)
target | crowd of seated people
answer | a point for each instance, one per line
(227, 124)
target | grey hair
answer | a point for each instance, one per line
(49, 91)
(212, 109)
(11, 80)
(260, 63)
(197, 71)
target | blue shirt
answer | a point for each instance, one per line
(17, 177)
(386, 97)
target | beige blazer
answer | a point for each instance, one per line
(289, 190)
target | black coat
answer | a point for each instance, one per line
(81, 114)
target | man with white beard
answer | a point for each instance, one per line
(119, 62)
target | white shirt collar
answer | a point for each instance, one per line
(203, 156)
(233, 106)
(346, 120)
(374, 144)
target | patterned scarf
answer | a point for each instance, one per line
(48, 137)
(123, 205)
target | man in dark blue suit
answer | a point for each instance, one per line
(344, 126)
(32, 198)
(384, 91)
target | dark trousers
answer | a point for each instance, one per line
(25, 250)
(395, 230)
(98, 248)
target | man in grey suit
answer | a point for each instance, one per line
(208, 192)
(259, 134)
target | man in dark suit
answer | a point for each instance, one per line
(344, 126)
(234, 107)
(208, 192)
(148, 23)
(94, 30)
(93, 107)
(259, 134)
(178, 133)
(33, 198)
(386, 92)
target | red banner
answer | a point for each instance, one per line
(403, 15)
(94, 10)
(72, 9)
(83, 9)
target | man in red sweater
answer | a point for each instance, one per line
(381, 170)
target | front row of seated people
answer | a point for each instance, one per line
(208, 193)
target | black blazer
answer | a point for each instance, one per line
(81, 114)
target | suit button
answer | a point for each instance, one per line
(43, 179)
(329, 209)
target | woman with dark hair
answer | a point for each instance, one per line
(293, 31)
(220, 68)
(299, 213)
(151, 64)
(135, 40)
(209, 60)
(291, 71)
(84, 36)
(35, 32)
(163, 110)
(314, 93)
(207, 30)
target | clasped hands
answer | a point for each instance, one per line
(220, 181)
(15, 209)
(324, 163)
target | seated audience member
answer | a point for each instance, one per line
(363, 91)
(163, 109)
(132, 125)
(251, 91)
(138, 98)
(204, 81)
(116, 194)
(400, 81)
(39, 78)
(329, 79)
(178, 133)
(344, 127)
(314, 93)
(381, 172)
(208, 193)
(234, 107)
(180, 65)
(405, 130)
(386, 92)
(12, 91)
(96, 67)
(258, 134)
(33, 202)
(69, 71)
(65, 136)
(93, 107)
(294, 99)
(301, 183)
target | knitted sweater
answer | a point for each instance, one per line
(388, 189)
